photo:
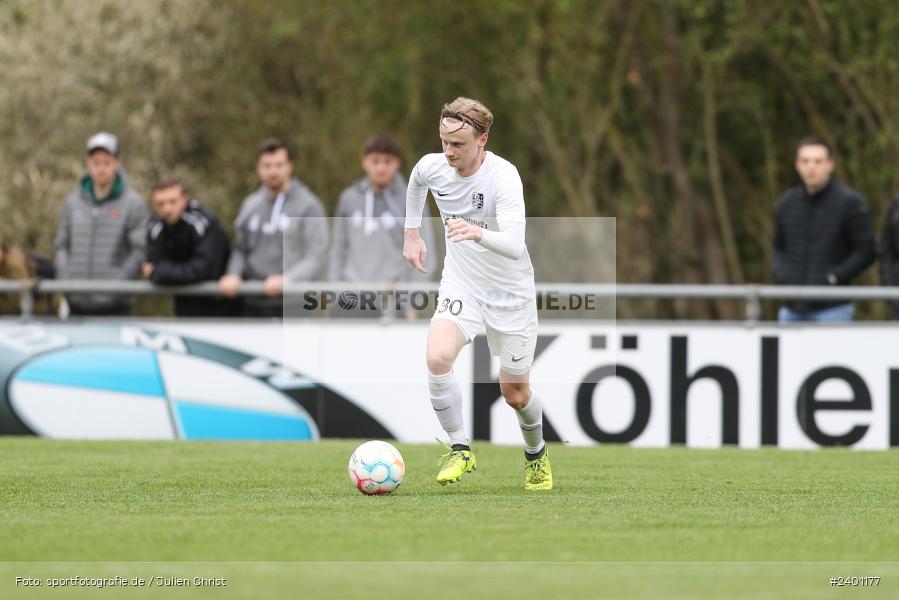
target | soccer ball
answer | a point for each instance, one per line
(376, 468)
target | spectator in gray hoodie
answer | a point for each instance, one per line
(368, 228)
(102, 232)
(281, 233)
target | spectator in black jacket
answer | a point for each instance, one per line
(823, 235)
(186, 243)
(888, 252)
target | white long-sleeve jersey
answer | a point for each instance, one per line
(497, 270)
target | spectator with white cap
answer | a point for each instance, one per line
(102, 232)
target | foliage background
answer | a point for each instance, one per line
(677, 117)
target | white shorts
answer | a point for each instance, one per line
(511, 333)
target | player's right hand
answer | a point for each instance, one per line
(414, 250)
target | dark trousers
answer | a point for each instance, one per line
(199, 306)
(116, 310)
(268, 308)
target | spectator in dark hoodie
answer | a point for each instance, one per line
(186, 244)
(823, 235)
(281, 234)
(367, 241)
(102, 231)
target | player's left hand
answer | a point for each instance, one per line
(147, 269)
(458, 230)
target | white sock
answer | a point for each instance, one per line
(446, 398)
(530, 419)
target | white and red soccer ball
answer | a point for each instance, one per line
(376, 468)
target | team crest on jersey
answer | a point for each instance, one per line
(477, 200)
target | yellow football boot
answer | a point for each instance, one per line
(454, 464)
(538, 475)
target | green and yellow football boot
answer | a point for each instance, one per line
(538, 475)
(454, 464)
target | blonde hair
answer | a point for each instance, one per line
(468, 112)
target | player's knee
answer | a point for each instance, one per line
(515, 394)
(439, 360)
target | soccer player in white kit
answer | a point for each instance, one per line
(487, 283)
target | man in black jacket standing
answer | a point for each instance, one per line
(823, 235)
(186, 243)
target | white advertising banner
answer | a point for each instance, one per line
(644, 384)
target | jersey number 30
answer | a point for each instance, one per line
(454, 306)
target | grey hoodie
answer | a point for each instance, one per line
(368, 235)
(260, 249)
(101, 240)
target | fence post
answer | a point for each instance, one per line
(26, 300)
(753, 304)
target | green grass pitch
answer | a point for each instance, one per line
(282, 520)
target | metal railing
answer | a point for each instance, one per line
(751, 294)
